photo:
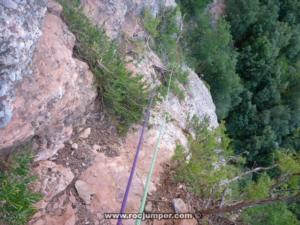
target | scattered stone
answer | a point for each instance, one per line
(179, 205)
(72, 199)
(10, 4)
(159, 222)
(182, 187)
(85, 134)
(152, 188)
(148, 207)
(66, 216)
(75, 146)
(54, 157)
(96, 148)
(53, 178)
(192, 221)
(76, 171)
(84, 191)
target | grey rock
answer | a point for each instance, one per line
(75, 146)
(179, 205)
(20, 23)
(5, 114)
(148, 207)
(86, 133)
(84, 191)
(9, 4)
(96, 147)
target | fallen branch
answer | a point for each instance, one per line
(248, 204)
(257, 169)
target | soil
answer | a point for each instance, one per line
(104, 134)
(168, 190)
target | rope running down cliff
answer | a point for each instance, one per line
(132, 172)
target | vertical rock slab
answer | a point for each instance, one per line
(57, 93)
(19, 31)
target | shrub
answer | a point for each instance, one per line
(16, 199)
(123, 94)
(150, 23)
(165, 33)
(192, 8)
(276, 213)
(268, 117)
(210, 51)
(204, 170)
(212, 172)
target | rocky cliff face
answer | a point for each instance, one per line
(121, 17)
(47, 101)
(51, 100)
(19, 31)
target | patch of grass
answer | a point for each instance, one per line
(123, 94)
(16, 199)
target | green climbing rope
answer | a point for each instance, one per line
(154, 157)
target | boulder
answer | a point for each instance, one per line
(20, 24)
(179, 205)
(49, 101)
(86, 133)
(84, 191)
(53, 179)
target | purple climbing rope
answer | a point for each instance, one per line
(139, 147)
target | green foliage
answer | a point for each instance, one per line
(123, 94)
(290, 11)
(210, 51)
(259, 189)
(243, 14)
(209, 167)
(164, 34)
(295, 208)
(150, 23)
(16, 199)
(193, 8)
(276, 213)
(254, 78)
(204, 169)
(257, 89)
(268, 117)
(166, 41)
(288, 162)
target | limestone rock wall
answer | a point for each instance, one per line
(19, 31)
(49, 100)
(119, 16)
